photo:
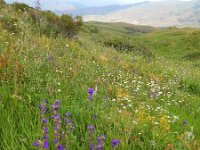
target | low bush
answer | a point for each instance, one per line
(2, 3)
(20, 7)
(190, 85)
(9, 23)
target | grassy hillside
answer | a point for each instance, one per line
(145, 94)
(120, 28)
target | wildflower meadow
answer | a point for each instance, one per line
(101, 88)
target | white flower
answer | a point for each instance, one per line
(175, 118)
(124, 107)
(113, 100)
(189, 136)
(135, 122)
(156, 123)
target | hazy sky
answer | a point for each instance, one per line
(86, 2)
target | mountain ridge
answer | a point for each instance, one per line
(158, 14)
(99, 10)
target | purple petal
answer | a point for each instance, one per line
(115, 143)
(45, 130)
(45, 138)
(67, 114)
(90, 91)
(99, 147)
(55, 141)
(44, 121)
(36, 144)
(90, 97)
(91, 146)
(60, 147)
(46, 145)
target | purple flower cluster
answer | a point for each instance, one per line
(57, 124)
(100, 141)
(91, 129)
(63, 137)
(115, 143)
(91, 93)
(44, 143)
(68, 123)
(60, 147)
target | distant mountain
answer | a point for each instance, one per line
(99, 10)
(64, 4)
(158, 14)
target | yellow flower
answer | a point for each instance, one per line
(164, 125)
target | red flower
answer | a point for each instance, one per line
(170, 146)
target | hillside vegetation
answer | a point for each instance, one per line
(96, 85)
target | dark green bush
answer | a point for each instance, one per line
(78, 21)
(51, 24)
(10, 24)
(138, 29)
(190, 85)
(193, 41)
(69, 26)
(125, 44)
(50, 17)
(2, 3)
(93, 29)
(192, 56)
(20, 7)
(49, 30)
(120, 45)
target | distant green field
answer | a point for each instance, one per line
(121, 28)
(168, 42)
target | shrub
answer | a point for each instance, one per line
(2, 3)
(192, 56)
(51, 24)
(78, 21)
(67, 26)
(138, 29)
(20, 7)
(10, 24)
(193, 41)
(50, 17)
(93, 29)
(190, 85)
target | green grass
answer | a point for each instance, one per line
(121, 28)
(148, 97)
